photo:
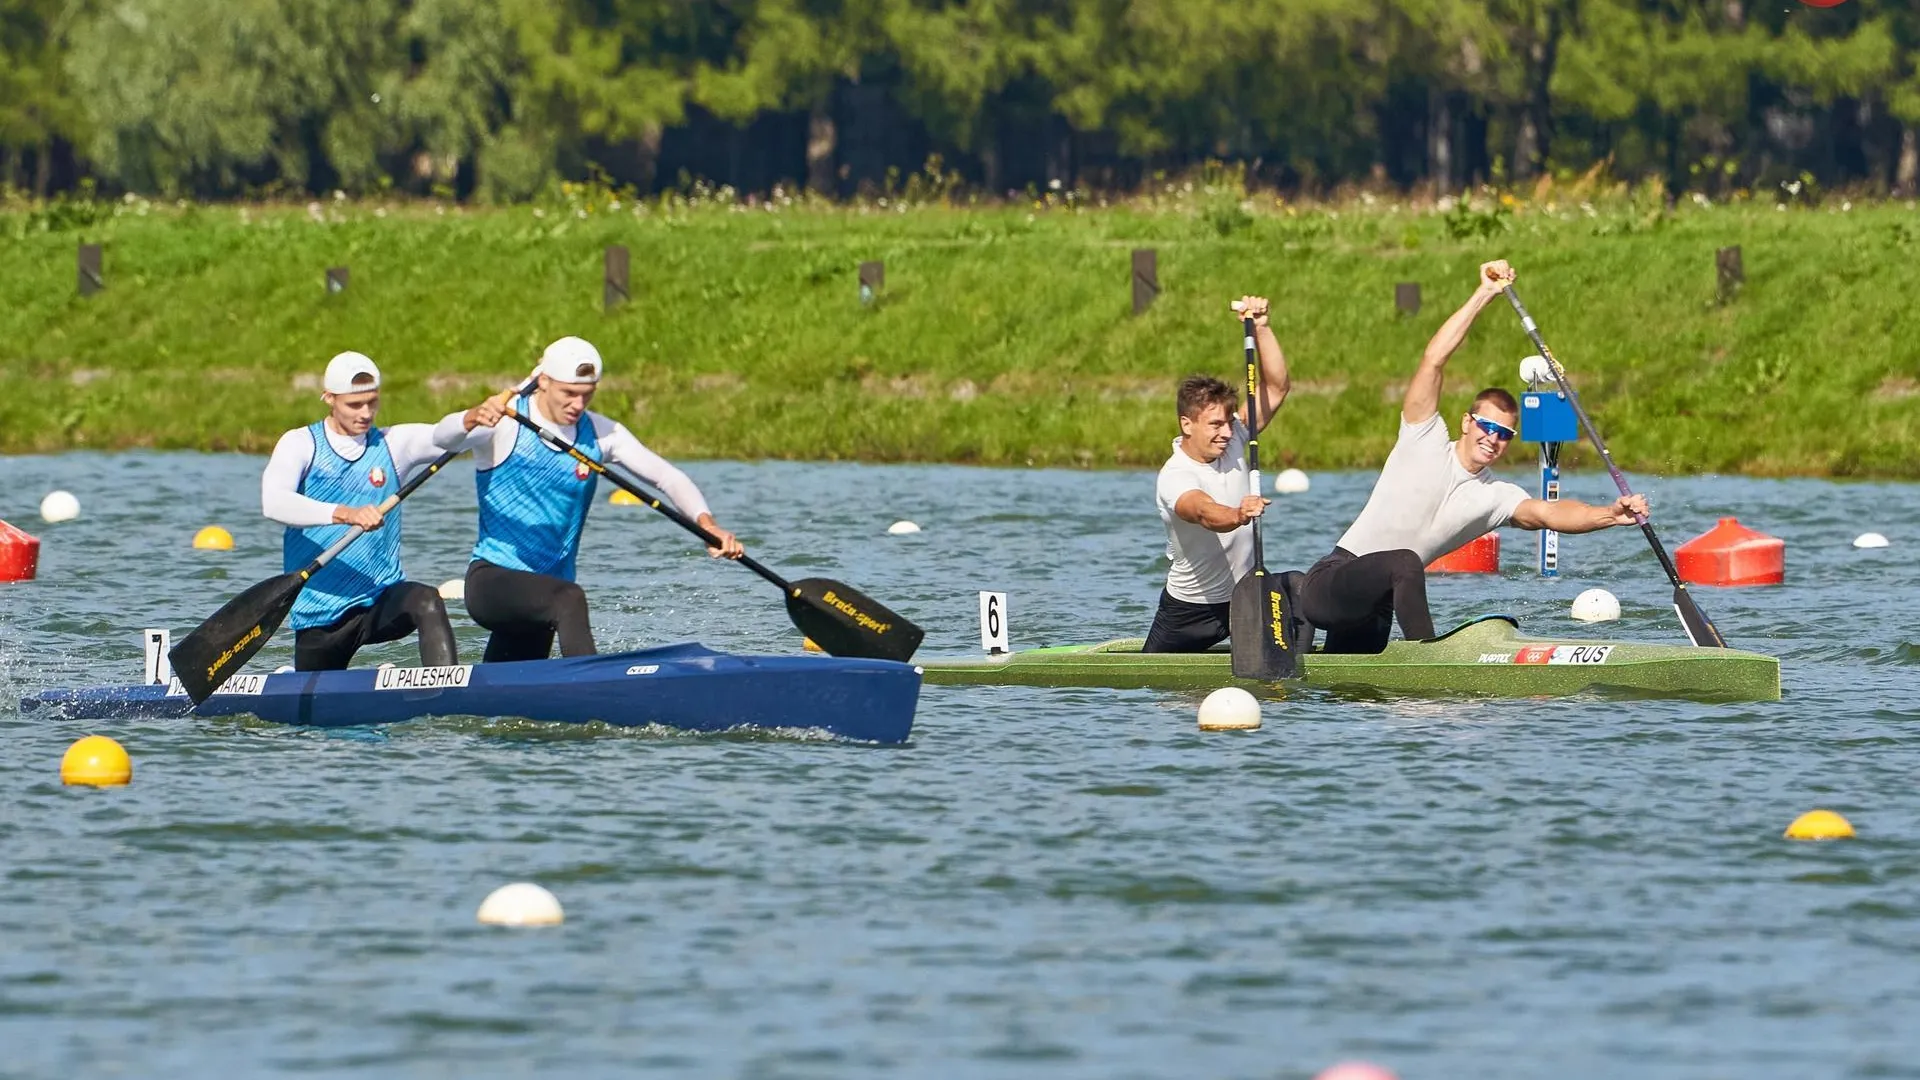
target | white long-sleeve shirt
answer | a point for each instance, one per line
(411, 446)
(493, 445)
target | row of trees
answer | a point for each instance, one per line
(499, 97)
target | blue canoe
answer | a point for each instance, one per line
(689, 687)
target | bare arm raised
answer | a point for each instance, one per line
(1423, 392)
(1274, 380)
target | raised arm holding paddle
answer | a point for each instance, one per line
(1435, 492)
(1207, 495)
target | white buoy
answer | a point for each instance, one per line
(521, 904)
(1596, 605)
(1229, 709)
(283, 669)
(1534, 370)
(1291, 482)
(59, 506)
(902, 528)
(1869, 540)
(453, 589)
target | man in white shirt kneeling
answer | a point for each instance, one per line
(1205, 499)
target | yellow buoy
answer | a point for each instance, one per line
(96, 760)
(213, 538)
(622, 497)
(1819, 825)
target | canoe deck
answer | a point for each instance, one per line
(687, 687)
(1485, 657)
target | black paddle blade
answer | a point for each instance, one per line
(1261, 623)
(1700, 629)
(228, 639)
(844, 621)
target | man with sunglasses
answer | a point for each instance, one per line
(1434, 494)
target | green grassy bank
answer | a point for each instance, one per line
(1004, 335)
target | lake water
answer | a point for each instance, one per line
(1044, 883)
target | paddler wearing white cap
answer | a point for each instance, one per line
(534, 503)
(322, 480)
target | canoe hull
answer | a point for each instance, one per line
(1487, 657)
(685, 687)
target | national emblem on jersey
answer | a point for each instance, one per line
(580, 471)
(378, 477)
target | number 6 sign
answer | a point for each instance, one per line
(993, 622)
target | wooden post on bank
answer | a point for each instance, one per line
(336, 280)
(1731, 274)
(873, 278)
(613, 287)
(1146, 278)
(1406, 297)
(91, 280)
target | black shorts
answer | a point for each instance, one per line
(401, 609)
(1182, 627)
(525, 611)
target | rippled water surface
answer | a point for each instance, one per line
(1044, 883)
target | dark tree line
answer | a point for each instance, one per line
(497, 98)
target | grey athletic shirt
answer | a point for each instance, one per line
(1426, 501)
(1205, 563)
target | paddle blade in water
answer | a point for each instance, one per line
(1260, 621)
(1700, 629)
(844, 621)
(231, 636)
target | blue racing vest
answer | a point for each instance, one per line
(358, 575)
(534, 504)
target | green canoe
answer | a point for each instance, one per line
(1488, 656)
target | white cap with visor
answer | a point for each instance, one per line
(351, 373)
(571, 360)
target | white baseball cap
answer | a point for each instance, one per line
(343, 369)
(571, 360)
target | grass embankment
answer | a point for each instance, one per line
(1004, 335)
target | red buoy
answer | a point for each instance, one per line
(1732, 554)
(19, 554)
(1481, 555)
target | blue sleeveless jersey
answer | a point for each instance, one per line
(358, 575)
(534, 504)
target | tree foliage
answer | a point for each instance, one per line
(500, 97)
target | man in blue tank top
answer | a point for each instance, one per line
(322, 480)
(534, 502)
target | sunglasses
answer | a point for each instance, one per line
(1494, 428)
